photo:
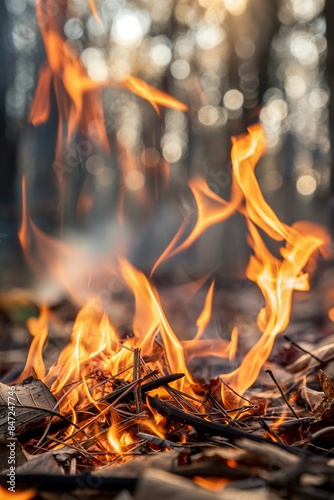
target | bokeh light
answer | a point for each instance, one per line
(210, 54)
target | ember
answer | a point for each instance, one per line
(127, 391)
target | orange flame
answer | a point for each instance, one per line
(38, 327)
(94, 10)
(150, 320)
(95, 342)
(211, 483)
(17, 495)
(210, 209)
(331, 314)
(94, 345)
(114, 441)
(79, 98)
(205, 316)
(154, 427)
(277, 278)
(152, 95)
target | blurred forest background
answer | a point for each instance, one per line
(233, 62)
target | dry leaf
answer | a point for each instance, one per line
(306, 363)
(33, 402)
(327, 385)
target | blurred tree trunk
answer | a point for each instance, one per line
(259, 23)
(7, 145)
(329, 14)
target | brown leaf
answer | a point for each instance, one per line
(306, 363)
(327, 385)
(33, 402)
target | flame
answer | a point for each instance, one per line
(154, 427)
(205, 316)
(94, 10)
(153, 96)
(95, 343)
(159, 420)
(74, 421)
(79, 98)
(17, 495)
(279, 420)
(210, 209)
(211, 483)
(38, 328)
(150, 320)
(276, 278)
(114, 441)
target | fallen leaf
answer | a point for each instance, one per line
(327, 385)
(306, 363)
(31, 402)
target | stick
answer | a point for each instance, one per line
(211, 428)
(270, 373)
(303, 350)
(136, 376)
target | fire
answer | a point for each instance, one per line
(154, 427)
(210, 209)
(276, 278)
(95, 343)
(18, 495)
(106, 376)
(94, 10)
(212, 483)
(205, 316)
(78, 96)
(153, 96)
(331, 314)
(150, 320)
(114, 441)
(38, 328)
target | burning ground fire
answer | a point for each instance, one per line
(95, 343)
(113, 397)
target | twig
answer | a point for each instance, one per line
(266, 427)
(206, 427)
(165, 443)
(136, 376)
(270, 373)
(239, 395)
(303, 350)
(218, 406)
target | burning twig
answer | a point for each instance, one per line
(164, 443)
(201, 425)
